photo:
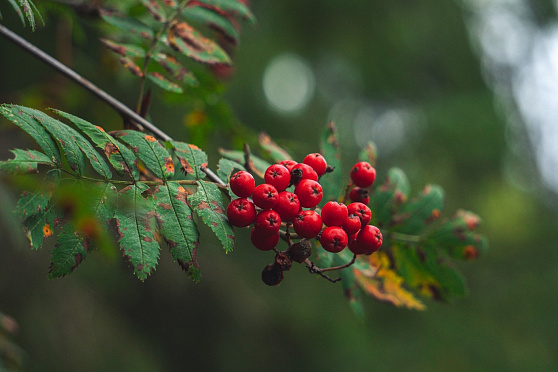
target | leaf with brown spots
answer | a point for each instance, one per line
(277, 153)
(69, 251)
(163, 82)
(129, 25)
(258, 165)
(186, 40)
(155, 9)
(25, 161)
(124, 50)
(40, 226)
(176, 70)
(232, 7)
(214, 19)
(190, 157)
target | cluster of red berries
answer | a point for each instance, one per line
(271, 205)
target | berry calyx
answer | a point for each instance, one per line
(334, 239)
(241, 212)
(287, 205)
(317, 162)
(309, 193)
(359, 194)
(278, 176)
(368, 241)
(308, 224)
(362, 211)
(265, 196)
(352, 224)
(242, 184)
(301, 172)
(263, 241)
(334, 214)
(268, 221)
(363, 174)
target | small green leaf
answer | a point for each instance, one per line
(136, 230)
(208, 204)
(68, 253)
(257, 164)
(164, 83)
(155, 9)
(186, 40)
(214, 20)
(40, 226)
(178, 227)
(388, 197)
(331, 182)
(125, 50)
(31, 203)
(191, 158)
(175, 69)
(413, 216)
(25, 161)
(277, 153)
(129, 25)
(231, 6)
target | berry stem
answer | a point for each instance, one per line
(316, 270)
(341, 266)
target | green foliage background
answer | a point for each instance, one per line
(414, 55)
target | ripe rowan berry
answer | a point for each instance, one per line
(334, 214)
(287, 205)
(359, 194)
(268, 221)
(265, 196)
(368, 241)
(363, 174)
(352, 224)
(334, 239)
(309, 193)
(301, 172)
(278, 176)
(317, 162)
(362, 211)
(242, 184)
(241, 212)
(289, 164)
(308, 224)
(263, 241)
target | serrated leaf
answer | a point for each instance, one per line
(208, 204)
(31, 203)
(127, 24)
(225, 168)
(175, 69)
(25, 161)
(388, 197)
(331, 182)
(214, 19)
(28, 11)
(33, 128)
(155, 9)
(120, 157)
(136, 228)
(228, 6)
(277, 153)
(40, 226)
(68, 253)
(150, 151)
(186, 40)
(163, 82)
(381, 282)
(258, 165)
(125, 50)
(416, 214)
(130, 65)
(191, 158)
(177, 226)
(368, 153)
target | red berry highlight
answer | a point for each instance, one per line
(241, 212)
(334, 239)
(268, 221)
(242, 184)
(307, 224)
(278, 176)
(265, 196)
(309, 193)
(287, 206)
(334, 214)
(363, 174)
(262, 240)
(317, 162)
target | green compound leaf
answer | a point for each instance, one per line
(175, 69)
(416, 214)
(124, 50)
(136, 228)
(369, 154)
(130, 25)
(33, 128)
(388, 197)
(208, 204)
(277, 153)
(257, 164)
(186, 40)
(214, 19)
(40, 226)
(31, 203)
(155, 9)
(177, 226)
(230, 6)
(331, 182)
(164, 83)
(68, 253)
(191, 158)
(150, 151)
(25, 161)
(120, 157)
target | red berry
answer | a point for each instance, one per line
(263, 241)
(268, 222)
(362, 211)
(334, 239)
(278, 176)
(287, 206)
(241, 212)
(265, 196)
(363, 174)
(307, 224)
(352, 224)
(359, 194)
(317, 162)
(303, 171)
(242, 184)
(368, 240)
(309, 193)
(334, 214)
(289, 164)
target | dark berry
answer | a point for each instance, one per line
(278, 176)
(268, 221)
(363, 174)
(284, 261)
(368, 240)
(272, 275)
(334, 214)
(262, 240)
(307, 224)
(334, 239)
(317, 162)
(300, 251)
(362, 211)
(241, 212)
(287, 205)
(309, 193)
(242, 184)
(265, 196)
(358, 194)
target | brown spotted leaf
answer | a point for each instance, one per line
(40, 226)
(176, 70)
(25, 161)
(186, 40)
(277, 153)
(129, 25)
(258, 165)
(233, 7)
(130, 65)
(156, 10)
(124, 50)
(191, 158)
(164, 83)
(214, 19)
(69, 252)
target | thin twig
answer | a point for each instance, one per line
(341, 266)
(316, 270)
